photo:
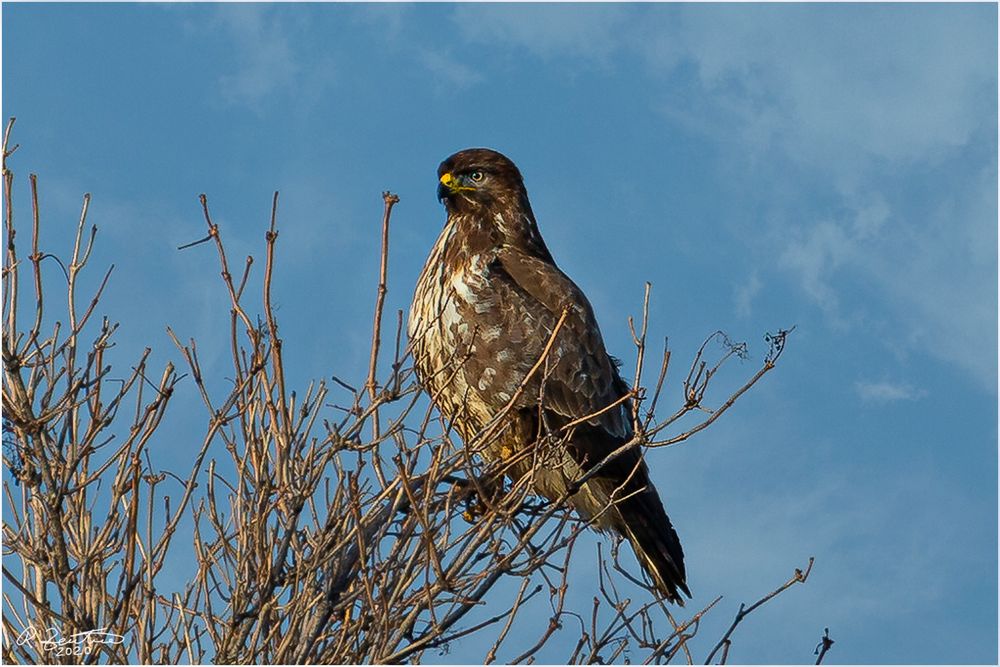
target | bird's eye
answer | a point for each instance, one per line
(477, 176)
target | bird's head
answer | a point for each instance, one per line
(479, 178)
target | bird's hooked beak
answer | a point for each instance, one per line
(449, 185)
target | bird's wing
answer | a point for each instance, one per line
(580, 377)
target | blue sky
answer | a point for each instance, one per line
(829, 167)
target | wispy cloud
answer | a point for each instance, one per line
(268, 57)
(396, 28)
(265, 61)
(588, 33)
(886, 391)
(814, 254)
(450, 70)
(912, 93)
(880, 119)
(746, 292)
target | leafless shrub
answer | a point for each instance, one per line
(319, 533)
(80, 552)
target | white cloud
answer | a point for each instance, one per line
(265, 59)
(451, 70)
(590, 31)
(886, 391)
(814, 254)
(927, 277)
(389, 19)
(745, 293)
(831, 85)
(394, 24)
(871, 101)
(939, 275)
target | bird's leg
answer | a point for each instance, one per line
(480, 494)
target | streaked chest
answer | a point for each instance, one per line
(453, 299)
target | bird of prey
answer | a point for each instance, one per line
(484, 311)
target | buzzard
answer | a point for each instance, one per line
(483, 315)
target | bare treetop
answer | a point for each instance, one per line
(313, 529)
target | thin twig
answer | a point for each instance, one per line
(799, 577)
(825, 644)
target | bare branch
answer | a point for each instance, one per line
(318, 534)
(799, 577)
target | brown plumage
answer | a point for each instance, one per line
(485, 307)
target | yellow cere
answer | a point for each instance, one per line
(447, 179)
